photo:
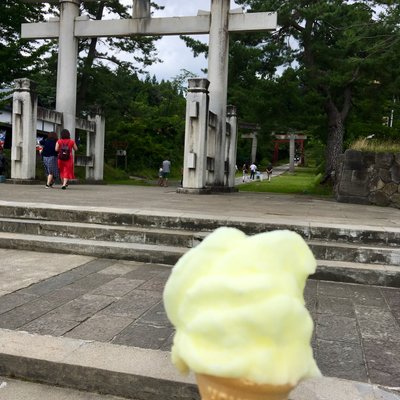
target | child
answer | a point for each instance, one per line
(160, 176)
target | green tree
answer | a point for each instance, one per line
(148, 115)
(18, 57)
(340, 48)
(94, 51)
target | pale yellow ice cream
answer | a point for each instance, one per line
(237, 304)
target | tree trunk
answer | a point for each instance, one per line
(334, 146)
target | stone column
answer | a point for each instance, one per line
(24, 123)
(291, 152)
(141, 9)
(67, 64)
(95, 148)
(254, 144)
(195, 153)
(218, 77)
(232, 120)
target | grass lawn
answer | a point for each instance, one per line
(302, 181)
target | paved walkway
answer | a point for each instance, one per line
(269, 207)
(262, 175)
(11, 389)
(357, 332)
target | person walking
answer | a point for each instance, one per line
(50, 158)
(3, 162)
(64, 147)
(166, 169)
(269, 172)
(245, 170)
(253, 169)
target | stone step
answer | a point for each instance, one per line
(130, 372)
(87, 231)
(334, 270)
(104, 244)
(310, 231)
(146, 253)
(356, 253)
(352, 272)
(127, 372)
(168, 237)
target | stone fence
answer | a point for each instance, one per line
(369, 178)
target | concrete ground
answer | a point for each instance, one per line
(357, 327)
(257, 206)
(118, 303)
(11, 389)
(332, 389)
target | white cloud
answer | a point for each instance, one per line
(175, 57)
(171, 49)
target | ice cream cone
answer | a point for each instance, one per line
(218, 388)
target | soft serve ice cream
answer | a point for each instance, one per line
(237, 304)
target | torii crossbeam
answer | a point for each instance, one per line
(217, 23)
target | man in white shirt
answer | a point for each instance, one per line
(253, 169)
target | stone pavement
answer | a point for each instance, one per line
(118, 303)
(11, 389)
(332, 389)
(357, 335)
(270, 207)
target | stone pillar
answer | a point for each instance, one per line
(254, 144)
(24, 124)
(67, 64)
(195, 153)
(95, 148)
(218, 77)
(141, 9)
(291, 152)
(232, 120)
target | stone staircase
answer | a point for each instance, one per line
(344, 253)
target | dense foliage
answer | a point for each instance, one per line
(330, 70)
(344, 56)
(18, 57)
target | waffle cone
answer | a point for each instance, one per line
(218, 388)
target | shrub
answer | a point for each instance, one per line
(376, 146)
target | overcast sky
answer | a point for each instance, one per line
(171, 49)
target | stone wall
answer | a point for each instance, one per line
(369, 178)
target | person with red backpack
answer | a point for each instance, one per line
(64, 147)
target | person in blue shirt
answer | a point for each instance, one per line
(49, 157)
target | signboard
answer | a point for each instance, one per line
(118, 144)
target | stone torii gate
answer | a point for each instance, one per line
(218, 24)
(254, 128)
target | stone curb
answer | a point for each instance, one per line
(123, 371)
(134, 373)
